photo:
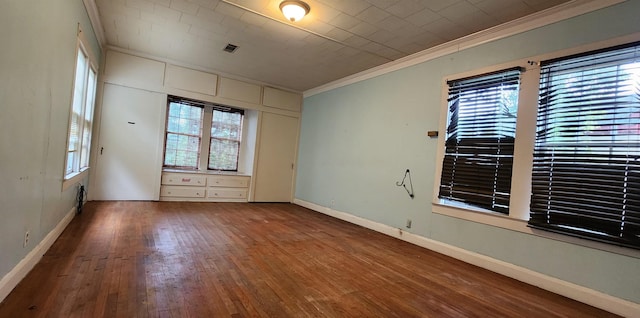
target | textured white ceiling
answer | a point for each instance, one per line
(338, 37)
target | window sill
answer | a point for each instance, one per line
(478, 215)
(74, 178)
(465, 212)
(213, 172)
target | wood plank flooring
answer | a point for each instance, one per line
(173, 259)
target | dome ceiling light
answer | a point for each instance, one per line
(294, 10)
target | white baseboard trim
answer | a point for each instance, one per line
(582, 294)
(11, 279)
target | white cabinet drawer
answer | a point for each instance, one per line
(182, 192)
(183, 179)
(222, 193)
(228, 181)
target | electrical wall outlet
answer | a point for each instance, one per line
(26, 239)
(408, 223)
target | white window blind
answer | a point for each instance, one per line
(81, 117)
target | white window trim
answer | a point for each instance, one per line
(205, 141)
(523, 152)
(73, 178)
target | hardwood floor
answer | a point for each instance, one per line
(171, 259)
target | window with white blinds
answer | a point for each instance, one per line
(81, 117)
(479, 144)
(586, 168)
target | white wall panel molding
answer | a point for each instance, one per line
(194, 67)
(154, 74)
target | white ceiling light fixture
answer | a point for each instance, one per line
(294, 10)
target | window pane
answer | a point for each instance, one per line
(481, 130)
(226, 132)
(76, 119)
(184, 129)
(76, 108)
(184, 119)
(182, 151)
(88, 119)
(226, 125)
(223, 154)
(70, 157)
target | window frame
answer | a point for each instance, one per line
(238, 140)
(562, 156)
(81, 163)
(519, 210)
(199, 136)
(489, 142)
(205, 134)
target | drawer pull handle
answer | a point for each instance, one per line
(186, 179)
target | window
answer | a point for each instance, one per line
(183, 136)
(480, 137)
(226, 128)
(81, 117)
(575, 164)
(195, 127)
(586, 168)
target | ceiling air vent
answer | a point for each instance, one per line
(230, 48)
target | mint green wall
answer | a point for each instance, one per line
(37, 62)
(357, 141)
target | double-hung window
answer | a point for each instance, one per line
(195, 128)
(577, 159)
(586, 168)
(81, 117)
(480, 137)
(183, 134)
(224, 146)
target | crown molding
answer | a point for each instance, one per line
(94, 17)
(536, 20)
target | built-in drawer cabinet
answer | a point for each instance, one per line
(226, 193)
(228, 181)
(182, 192)
(187, 179)
(178, 186)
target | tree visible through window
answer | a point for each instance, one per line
(184, 128)
(226, 130)
(189, 134)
